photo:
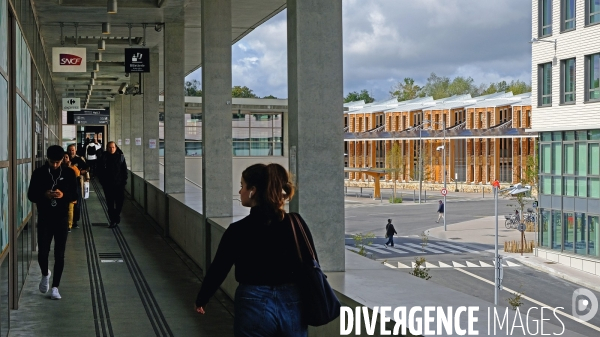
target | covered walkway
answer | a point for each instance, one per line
(127, 281)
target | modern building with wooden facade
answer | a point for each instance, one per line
(486, 137)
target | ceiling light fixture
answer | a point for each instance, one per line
(111, 6)
(96, 67)
(105, 28)
(93, 74)
(92, 81)
(101, 45)
(98, 57)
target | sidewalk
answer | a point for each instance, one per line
(481, 231)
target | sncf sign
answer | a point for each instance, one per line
(68, 60)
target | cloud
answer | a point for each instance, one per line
(388, 40)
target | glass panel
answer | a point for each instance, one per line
(569, 14)
(569, 230)
(241, 134)
(240, 120)
(241, 149)
(581, 156)
(4, 204)
(569, 186)
(193, 149)
(261, 134)
(594, 162)
(556, 158)
(278, 149)
(569, 135)
(3, 36)
(594, 76)
(594, 11)
(261, 149)
(544, 228)
(277, 121)
(582, 187)
(193, 133)
(594, 235)
(161, 149)
(546, 159)
(594, 187)
(557, 135)
(556, 230)
(546, 17)
(546, 136)
(3, 119)
(546, 84)
(569, 159)
(593, 134)
(261, 121)
(557, 186)
(581, 135)
(569, 81)
(580, 232)
(277, 135)
(546, 184)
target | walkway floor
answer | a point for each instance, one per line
(127, 281)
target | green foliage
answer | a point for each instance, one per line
(270, 96)
(361, 240)
(362, 96)
(193, 88)
(516, 87)
(427, 170)
(406, 91)
(516, 300)
(395, 165)
(424, 240)
(394, 200)
(242, 92)
(419, 270)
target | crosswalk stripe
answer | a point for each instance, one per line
(456, 264)
(511, 264)
(412, 249)
(354, 249)
(389, 265)
(430, 265)
(402, 265)
(397, 250)
(424, 248)
(444, 265)
(442, 248)
(380, 251)
(483, 264)
(459, 247)
(471, 264)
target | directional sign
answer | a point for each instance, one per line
(521, 227)
(137, 60)
(444, 191)
(535, 204)
(91, 119)
(71, 104)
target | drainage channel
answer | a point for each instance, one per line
(153, 311)
(102, 322)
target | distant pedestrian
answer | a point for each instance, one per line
(112, 171)
(79, 163)
(440, 211)
(91, 155)
(68, 164)
(389, 233)
(52, 189)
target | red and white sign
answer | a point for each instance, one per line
(444, 191)
(68, 60)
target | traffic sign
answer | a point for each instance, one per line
(535, 204)
(521, 227)
(444, 191)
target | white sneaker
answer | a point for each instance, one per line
(45, 283)
(55, 294)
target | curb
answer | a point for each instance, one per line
(561, 275)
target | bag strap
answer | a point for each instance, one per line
(295, 237)
(310, 248)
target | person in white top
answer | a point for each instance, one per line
(91, 154)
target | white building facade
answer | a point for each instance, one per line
(566, 114)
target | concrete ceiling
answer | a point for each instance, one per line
(89, 16)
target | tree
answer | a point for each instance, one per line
(519, 87)
(395, 164)
(193, 88)
(355, 96)
(437, 87)
(462, 86)
(407, 90)
(270, 96)
(242, 92)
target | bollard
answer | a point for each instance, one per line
(483, 192)
(425, 195)
(414, 196)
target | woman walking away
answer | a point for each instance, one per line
(267, 300)
(68, 164)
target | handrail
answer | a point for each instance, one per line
(190, 181)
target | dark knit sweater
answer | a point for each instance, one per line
(263, 254)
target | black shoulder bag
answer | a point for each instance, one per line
(319, 303)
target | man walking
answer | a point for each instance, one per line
(440, 211)
(82, 166)
(112, 171)
(52, 189)
(389, 233)
(91, 153)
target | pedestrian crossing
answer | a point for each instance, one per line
(449, 264)
(405, 246)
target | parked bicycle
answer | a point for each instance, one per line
(530, 216)
(512, 221)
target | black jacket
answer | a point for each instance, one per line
(441, 208)
(42, 180)
(390, 230)
(112, 169)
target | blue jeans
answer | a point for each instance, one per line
(262, 311)
(390, 240)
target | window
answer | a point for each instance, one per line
(592, 64)
(568, 80)
(545, 18)
(568, 15)
(545, 87)
(593, 11)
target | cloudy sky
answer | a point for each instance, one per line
(388, 40)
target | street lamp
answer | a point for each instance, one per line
(443, 148)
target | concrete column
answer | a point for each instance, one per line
(151, 91)
(316, 131)
(174, 108)
(117, 120)
(137, 132)
(126, 129)
(217, 166)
